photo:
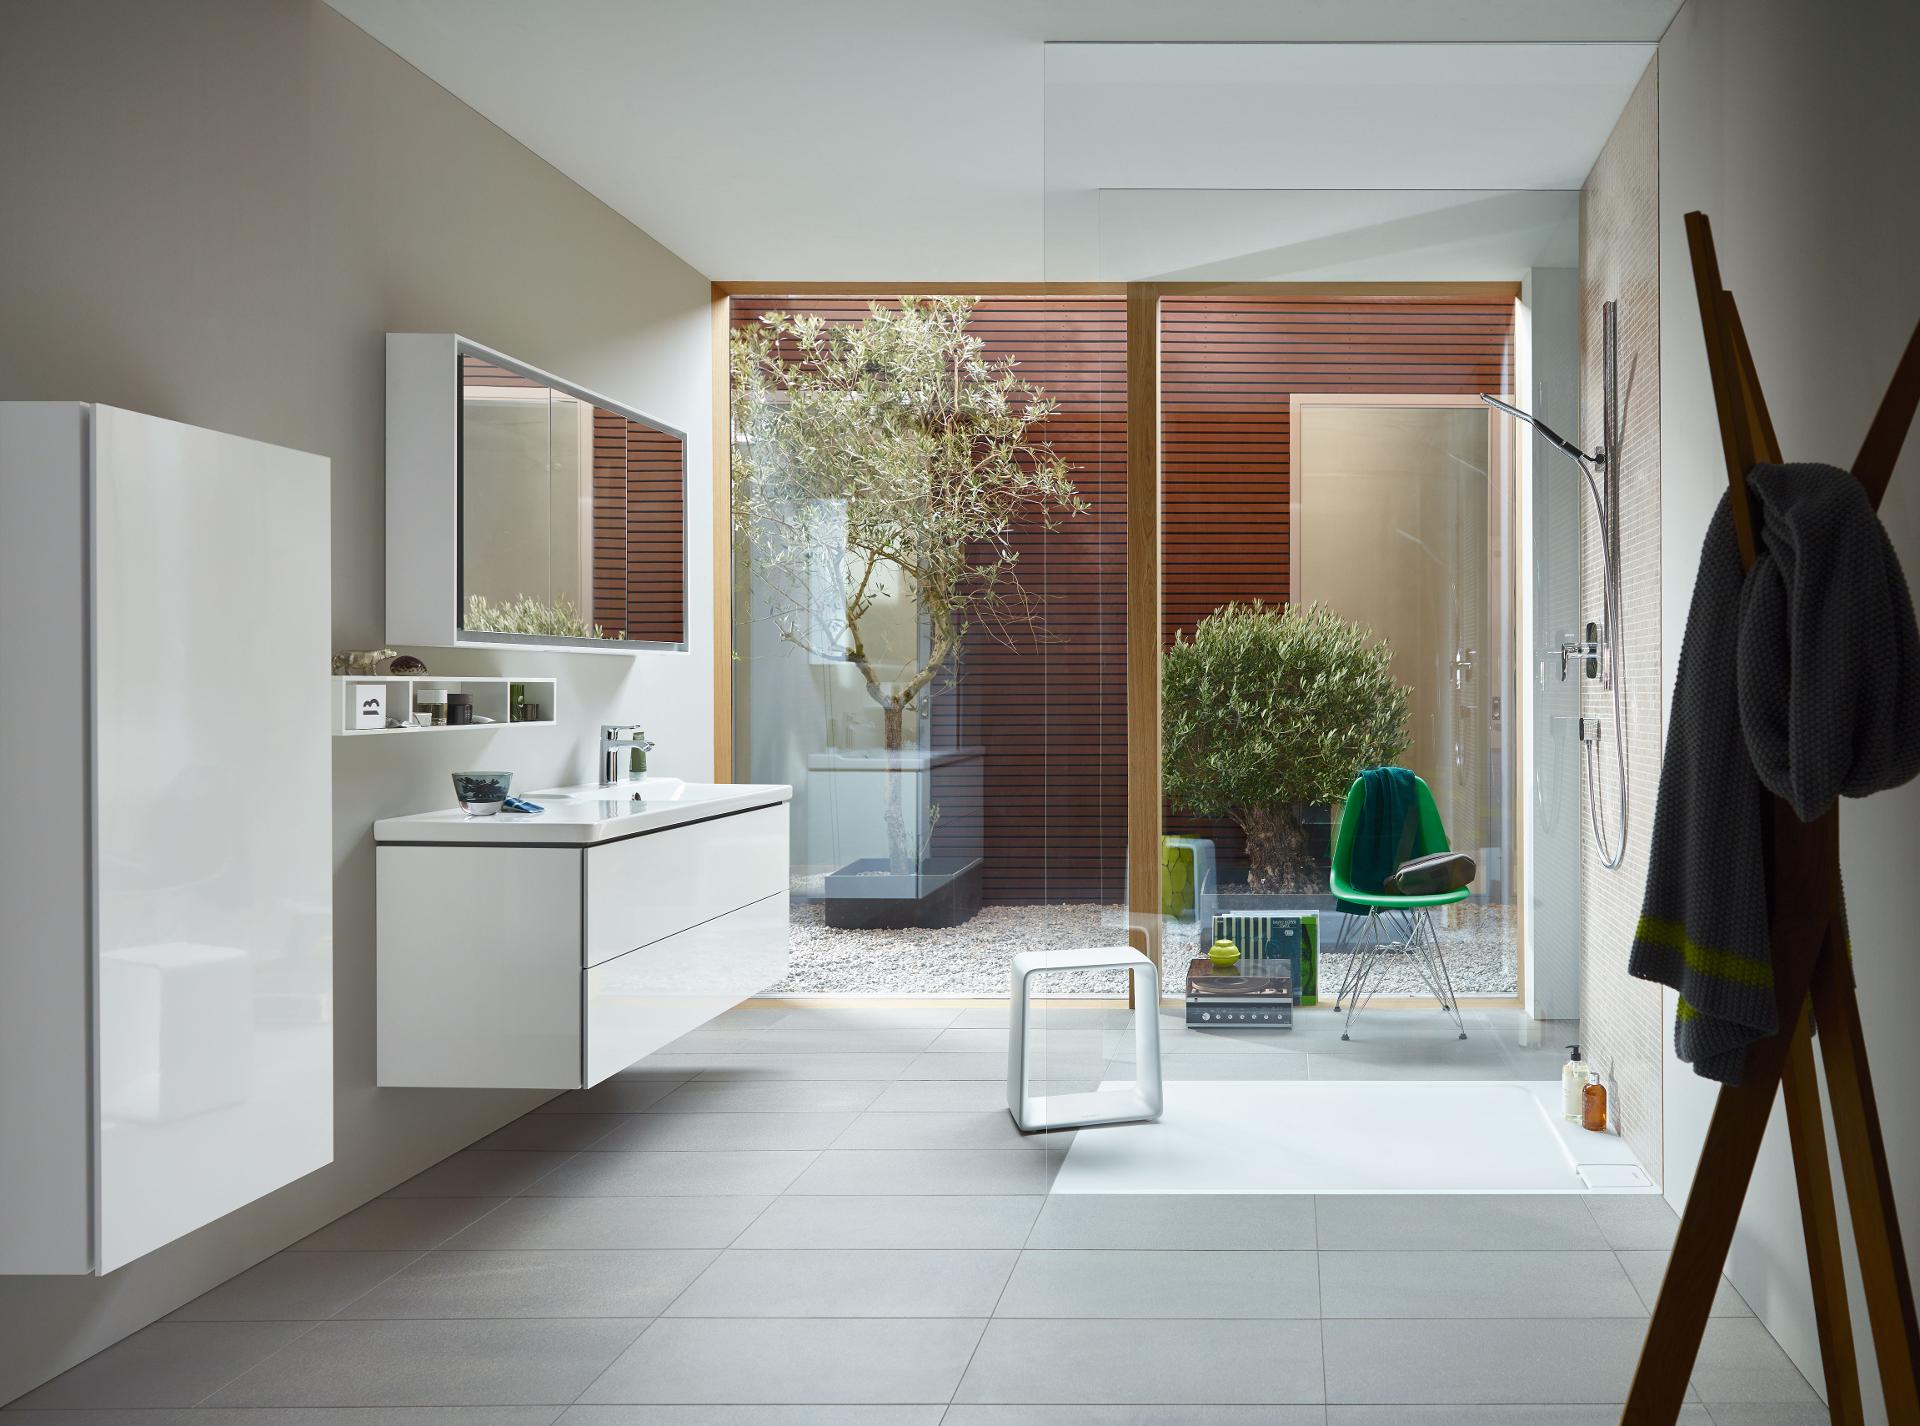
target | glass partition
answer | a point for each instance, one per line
(929, 517)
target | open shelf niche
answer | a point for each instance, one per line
(491, 697)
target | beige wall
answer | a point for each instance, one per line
(212, 212)
(1792, 126)
(1620, 1018)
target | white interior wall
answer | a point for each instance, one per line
(213, 211)
(1792, 127)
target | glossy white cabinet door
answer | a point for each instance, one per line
(213, 857)
(647, 998)
(479, 967)
(647, 887)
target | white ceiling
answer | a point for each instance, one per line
(956, 140)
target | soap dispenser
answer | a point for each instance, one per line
(1573, 1086)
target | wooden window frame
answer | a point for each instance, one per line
(1143, 543)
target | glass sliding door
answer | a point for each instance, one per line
(929, 627)
(1401, 508)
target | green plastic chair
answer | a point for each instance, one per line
(1415, 913)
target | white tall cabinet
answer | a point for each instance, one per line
(166, 967)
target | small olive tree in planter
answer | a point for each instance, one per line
(891, 462)
(1269, 711)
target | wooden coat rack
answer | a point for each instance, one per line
(1807, 928)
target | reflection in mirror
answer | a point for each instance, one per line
(573, 515)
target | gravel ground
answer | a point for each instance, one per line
(973, 959)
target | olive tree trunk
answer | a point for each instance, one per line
(1278, 861)
(899, 858)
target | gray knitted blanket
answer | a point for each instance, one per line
(1799, 679)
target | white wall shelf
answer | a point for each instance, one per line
(491, 697)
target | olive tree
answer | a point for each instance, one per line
(898, 460)
(1269, 710)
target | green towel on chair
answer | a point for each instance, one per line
(1389, 830)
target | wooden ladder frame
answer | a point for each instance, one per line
(1813, 988)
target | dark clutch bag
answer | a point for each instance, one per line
(1429, 876)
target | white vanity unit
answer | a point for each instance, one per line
(166, 960)
(550, 951)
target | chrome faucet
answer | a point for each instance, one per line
(618, 741)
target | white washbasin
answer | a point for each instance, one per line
(623, 794)
(588, 813)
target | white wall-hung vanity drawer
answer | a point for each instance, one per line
(652, 886)
(650, 997)
(511, 963)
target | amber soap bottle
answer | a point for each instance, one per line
(1593, 1107)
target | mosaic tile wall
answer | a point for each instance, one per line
(1621, 1021)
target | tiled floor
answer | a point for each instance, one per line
(823, 1215)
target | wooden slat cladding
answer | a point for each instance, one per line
(639, 530)
(1049, 712)
(656, 553)
(1229, 368)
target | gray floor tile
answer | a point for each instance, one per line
(296, 1416)
(434, 1364)
(1648, 1268)
(786, 1414)
(1274, 1066)
(167, 1364)
(1179, 1039)
(1457, 1220)
(982, 1017)
(1184, 1283)
(553, 1131)
(981, 1129)
(1739, 1362)
(393, 1224)
(798, 1066)
(851, 1039)
(293, 1287)
(751, 1017)
(770, 1096)
(1503, 1361)
(673, 1171)
(1181, 1415)
(474, 1173)
(1175, 1220)
(572, 1282)
(1633, 1220)
(809, 1282)
(909, 1221)
(978, 1066)
(887, 1171)
(703, 1221)
(615, 1096)
(1173, 1362)
(933, 1018)
(1532, 1415)
(1760, 1413)
(1451, 1283)
(1047, 1037)
(727, 1131)
(801, 1360)
(965, 1096)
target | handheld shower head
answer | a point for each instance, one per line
(1551, 435)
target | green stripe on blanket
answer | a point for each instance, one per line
(1703, 960)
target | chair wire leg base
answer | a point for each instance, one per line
(1420, 943)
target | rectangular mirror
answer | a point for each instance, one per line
(572, 513)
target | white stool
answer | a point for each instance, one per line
(1141, 1100)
